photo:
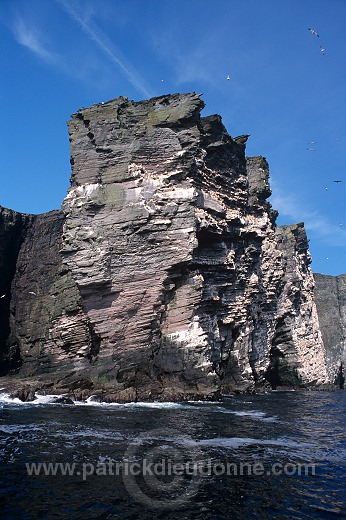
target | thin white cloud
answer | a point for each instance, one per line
(288, 206)
(28, 37)
(108, 48)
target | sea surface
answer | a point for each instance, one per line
(279, 455)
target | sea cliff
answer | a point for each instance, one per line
(164, 275)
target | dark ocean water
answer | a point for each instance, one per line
(280, 455)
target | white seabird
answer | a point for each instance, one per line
(314, 32)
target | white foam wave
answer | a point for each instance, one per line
(236, 442)
(207, 403)
(229, 442)
(156, 404)
(15, 428)
(39, 399)
(90, 401)
(160, 405)
(253, 414)
(93, 401)
(90, 433)
(5, 398)
(24, 428)
(46, 399)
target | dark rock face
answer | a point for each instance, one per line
(43, 296)
(164, 276)
(13, 227)
(330, 297)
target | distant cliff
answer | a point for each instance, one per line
(164, 276)
(330, 297)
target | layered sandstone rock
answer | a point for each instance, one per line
(164, 276)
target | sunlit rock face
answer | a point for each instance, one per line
(164, 276)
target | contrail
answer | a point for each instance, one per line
(108, 49)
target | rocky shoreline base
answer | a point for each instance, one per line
(29, 392)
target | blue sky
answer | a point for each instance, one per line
(60, 55)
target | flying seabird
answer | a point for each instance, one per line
(2, 296)
(322, 49)
(337, 181)
(228, 77)
(33, 293)
(314, 32)
(311, 149)
(312, 142)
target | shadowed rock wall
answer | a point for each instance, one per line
(330, 297)
(13, 227)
